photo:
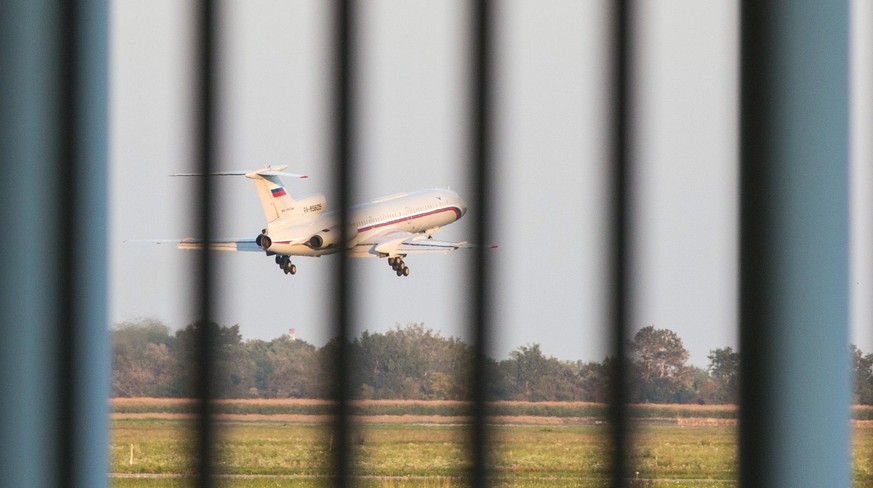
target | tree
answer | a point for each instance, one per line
(527, 372)
(143, 360)
(531, 376)
(862, 369)
(283, 368)
(324, 371)
(414, 362)
(724, 369)
(411, 362)
(594, 380)
(659, 372)
(235, 371)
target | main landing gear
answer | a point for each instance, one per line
(398, 266)
(285, 264)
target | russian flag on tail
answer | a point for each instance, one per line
(278, 192)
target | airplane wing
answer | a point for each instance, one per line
(189, 244)
(246, 245)
(395, 242)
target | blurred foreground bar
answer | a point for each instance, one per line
(344, 19)
(54, 354)
(205, 124)
(479, 304)
(794, 428)
(619, 248)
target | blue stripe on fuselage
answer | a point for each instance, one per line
(413, 217)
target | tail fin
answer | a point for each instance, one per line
(274, 199)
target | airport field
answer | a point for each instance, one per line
(413, 444)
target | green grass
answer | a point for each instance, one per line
(235, 483)
(862, 450)
(434, 455)
(704, 452)
(158, 446)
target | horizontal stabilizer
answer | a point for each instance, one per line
(266, 171)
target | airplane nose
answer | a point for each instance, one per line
(463, 206)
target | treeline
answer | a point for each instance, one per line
(417, 363)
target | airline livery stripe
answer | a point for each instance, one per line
(456, 210)
(413, 217)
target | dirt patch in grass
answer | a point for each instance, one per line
(688, 406)
(302, 419)
(369, 419)
(705, 421)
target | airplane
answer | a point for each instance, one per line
(391, 227)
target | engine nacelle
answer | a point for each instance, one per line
(263, 241)
(329, 237)
(325, 238)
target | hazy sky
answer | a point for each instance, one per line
(552, 90)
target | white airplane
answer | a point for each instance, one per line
(391, 227)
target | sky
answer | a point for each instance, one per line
(552, 92)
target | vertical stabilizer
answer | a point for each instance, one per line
(274, 197)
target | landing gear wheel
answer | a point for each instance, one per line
(391, 262)
(405, 271)
(286, 265)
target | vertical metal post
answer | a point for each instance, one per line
(29, 295)
(343, 147)
(480, 173)
(861, 13)
(204, 367)
(794, 425)
(68, 151)
(620, 246)
(84, 337)
(54, 357)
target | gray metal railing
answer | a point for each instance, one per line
(54, 351)
(620, 245)
(54, 364)
(794, 174)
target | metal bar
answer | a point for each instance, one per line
(794, 421)
(620, 247)
(54, 360)
(204, 367)
(85, 58)
(28, 301)
(480, 174)
(861, 178)
(66, 211)
(342, 165)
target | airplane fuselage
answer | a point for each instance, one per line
(417, 212)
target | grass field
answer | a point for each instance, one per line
(256, 451)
